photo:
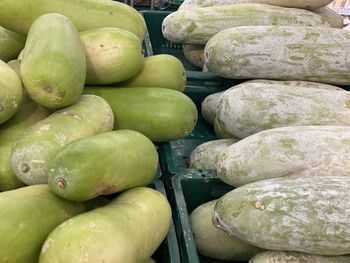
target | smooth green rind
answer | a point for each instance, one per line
(11, 92)
(304, 214)
(215, 243)
(150, 260)
(333, 18)
(194, 54)
(85, 14)
(205, 155)
(160, 114)
(112, 55)
(199, 25)
(40, 143)
(28, 114)
(303, 4)
(209, 107)
(102, 164)
(28, 215)
(161, 70)
(286, 152)
(15, 65)
(53, 66)
(295, 257)
(127, 230)
(253, 107)
(298, 53)
(11, 43)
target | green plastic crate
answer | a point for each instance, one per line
(189, 191)
(155, 43)
(168, 252)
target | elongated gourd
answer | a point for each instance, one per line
(290, 256)
(112, 55)
(160, 114)
(205, 155)
(302, 53)
(198, 25)
(215, 243)
(129, 229)
(28, 215)
(11, 92)
(253, 107)
(286, 152)
(28, 114)
(11, 43)
(303, 4)
(122, 160)
(303, 214)
(39, 143)
(85, 14)
(163, 70)
(53, 66)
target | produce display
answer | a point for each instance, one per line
(287, 112)
(243, 112)
(198, 25)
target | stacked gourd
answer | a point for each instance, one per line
(285, 143)
(69, 147)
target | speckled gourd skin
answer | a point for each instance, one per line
(11, 92)
(305, 214)
(39, 143)
(128, 230)
(11, 43)
(102, 164)
(112, 55)
(295, 257)
(308, 4)
(287, 151)
(253, 107)
(205, 155)
(209, 106)
(285, 53)
(28, 215)
(85, 14)
(53, 66)
(198, 25)
(28, 114)
(295, 84)
(215, 243)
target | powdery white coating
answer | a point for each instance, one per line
(304, 4)
(209, 106)
(198, 25)
(287, 151)
(249, 108)
(213, 242)
(295, 257)
(305, 214)
(205, 156)
(296, 83)
(282, 53)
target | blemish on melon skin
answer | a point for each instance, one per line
(48, 89)
(46, 245)
(1, 107)
(347, 103)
